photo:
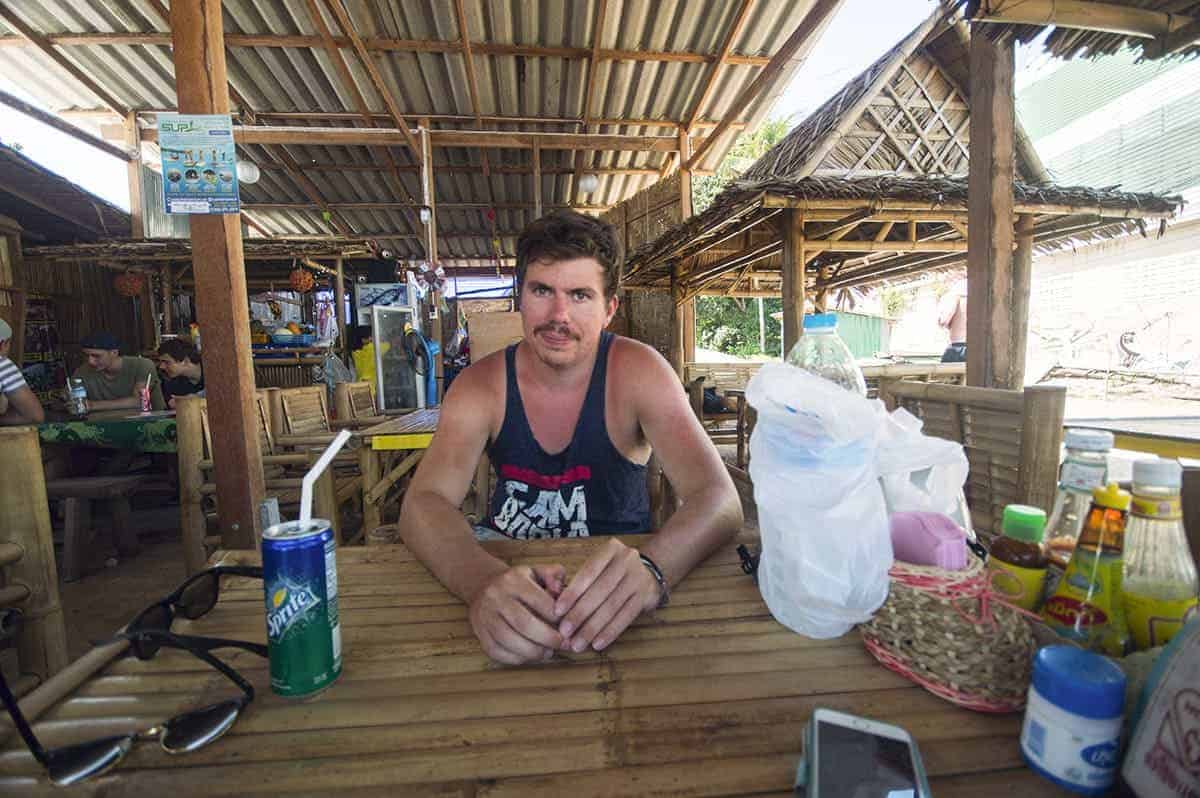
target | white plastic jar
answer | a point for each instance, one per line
(1072, 729)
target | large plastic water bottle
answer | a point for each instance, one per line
(821, 352)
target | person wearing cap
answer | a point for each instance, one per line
(114, 381)
(18, 405)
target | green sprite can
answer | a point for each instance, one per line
(304, 636)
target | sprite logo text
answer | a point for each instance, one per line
(288, 604)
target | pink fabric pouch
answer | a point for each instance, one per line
(928, 539)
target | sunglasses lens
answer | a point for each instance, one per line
(76, 762)
(197, 728)
(199, 597)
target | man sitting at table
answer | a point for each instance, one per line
(569, 417)
(18, 405)
(179, 360)
(114, 382)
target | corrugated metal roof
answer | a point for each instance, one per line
(301, 77)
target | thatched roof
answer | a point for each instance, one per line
(51, 208)
(1069, 42)
(180, 249)
(1062, 215)
(862, 129)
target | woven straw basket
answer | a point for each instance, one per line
(948, 632)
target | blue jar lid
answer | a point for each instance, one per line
(1079, 681)
(820, 321)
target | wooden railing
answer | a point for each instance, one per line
(29, 580)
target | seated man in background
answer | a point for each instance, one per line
(114, 382)
(569, 417)
(180, 362)
(18, 405)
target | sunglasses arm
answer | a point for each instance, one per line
(177, 641)
(196, 642)
(23, 728)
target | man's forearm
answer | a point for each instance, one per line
(699, 527)
(439, 535)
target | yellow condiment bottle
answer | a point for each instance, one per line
(1017, 565)
(1160, 583)
(1087, 605)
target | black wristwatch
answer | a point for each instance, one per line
(664, 592)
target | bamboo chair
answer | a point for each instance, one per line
(1012, 440)
(282, 474)
(304, 423)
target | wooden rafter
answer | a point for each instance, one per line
(373, 137)
(381, 44)
(886, 132)
(473, 88)
(379, 206)
(589, 90)
(43, 44)
(1118, 18)
(808, 26)
(883, 136)
(465, 169)
(356, 96)
(52, 209)
(310, 189)
(343, 18)
(936, 107)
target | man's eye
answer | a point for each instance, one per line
(541, 290)
(580, 296)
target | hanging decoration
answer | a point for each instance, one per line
(129, 284)
(301, 281)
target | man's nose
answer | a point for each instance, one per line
(559, 307)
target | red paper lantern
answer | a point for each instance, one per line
(129, 284)
(301, 281)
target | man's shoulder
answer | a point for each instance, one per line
(137, 364)
(630, 355)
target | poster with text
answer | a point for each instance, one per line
(199, 163)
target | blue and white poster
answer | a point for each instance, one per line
(199, 163)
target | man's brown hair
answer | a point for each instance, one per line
(567, 234)
(179, 350)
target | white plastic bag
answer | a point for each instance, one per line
(921, 473)
(826, 549)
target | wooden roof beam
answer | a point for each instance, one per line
(343, 18)
(714, 71)
(373, 137)
(1121, 19)
(42, 43)
(382, 44)
(383, 206)
(460, 15)
(813, 20)
(310, 189)
(589, 90)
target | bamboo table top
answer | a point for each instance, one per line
(709, 696)
(411, 431)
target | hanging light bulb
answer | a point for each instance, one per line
(425, 214)
(589, 183)
(248, 172)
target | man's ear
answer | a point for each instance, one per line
(613, 303)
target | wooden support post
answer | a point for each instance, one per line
(688, 309)
(537, 182)
(42, 645)
(794, 258)
(339, 308)
(433, 318)
(166, 277)
(1022, 286)
(134, 173)
(990, 325)
(221, 301)
(675, 351)
(369, 464)
(275, 412)
(1041, 443)
(189, 443)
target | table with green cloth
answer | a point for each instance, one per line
(153, 433)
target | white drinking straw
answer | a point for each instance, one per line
(306, 484)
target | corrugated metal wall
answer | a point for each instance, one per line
(864, 335)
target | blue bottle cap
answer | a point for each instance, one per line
(1078, 681)
(820, 321)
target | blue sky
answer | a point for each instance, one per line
(861, 32)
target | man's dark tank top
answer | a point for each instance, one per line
(589, 488)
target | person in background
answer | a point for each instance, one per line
(952, 317)
(363, 354)
(179, 361)
(18, 405)
(114, 381)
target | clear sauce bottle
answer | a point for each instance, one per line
(1084, 469)
(1160, 584)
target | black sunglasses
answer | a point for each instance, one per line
(192, 599)
(180, 734)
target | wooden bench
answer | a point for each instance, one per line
(77, 495)
(723, 377)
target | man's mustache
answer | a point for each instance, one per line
(556, 329)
